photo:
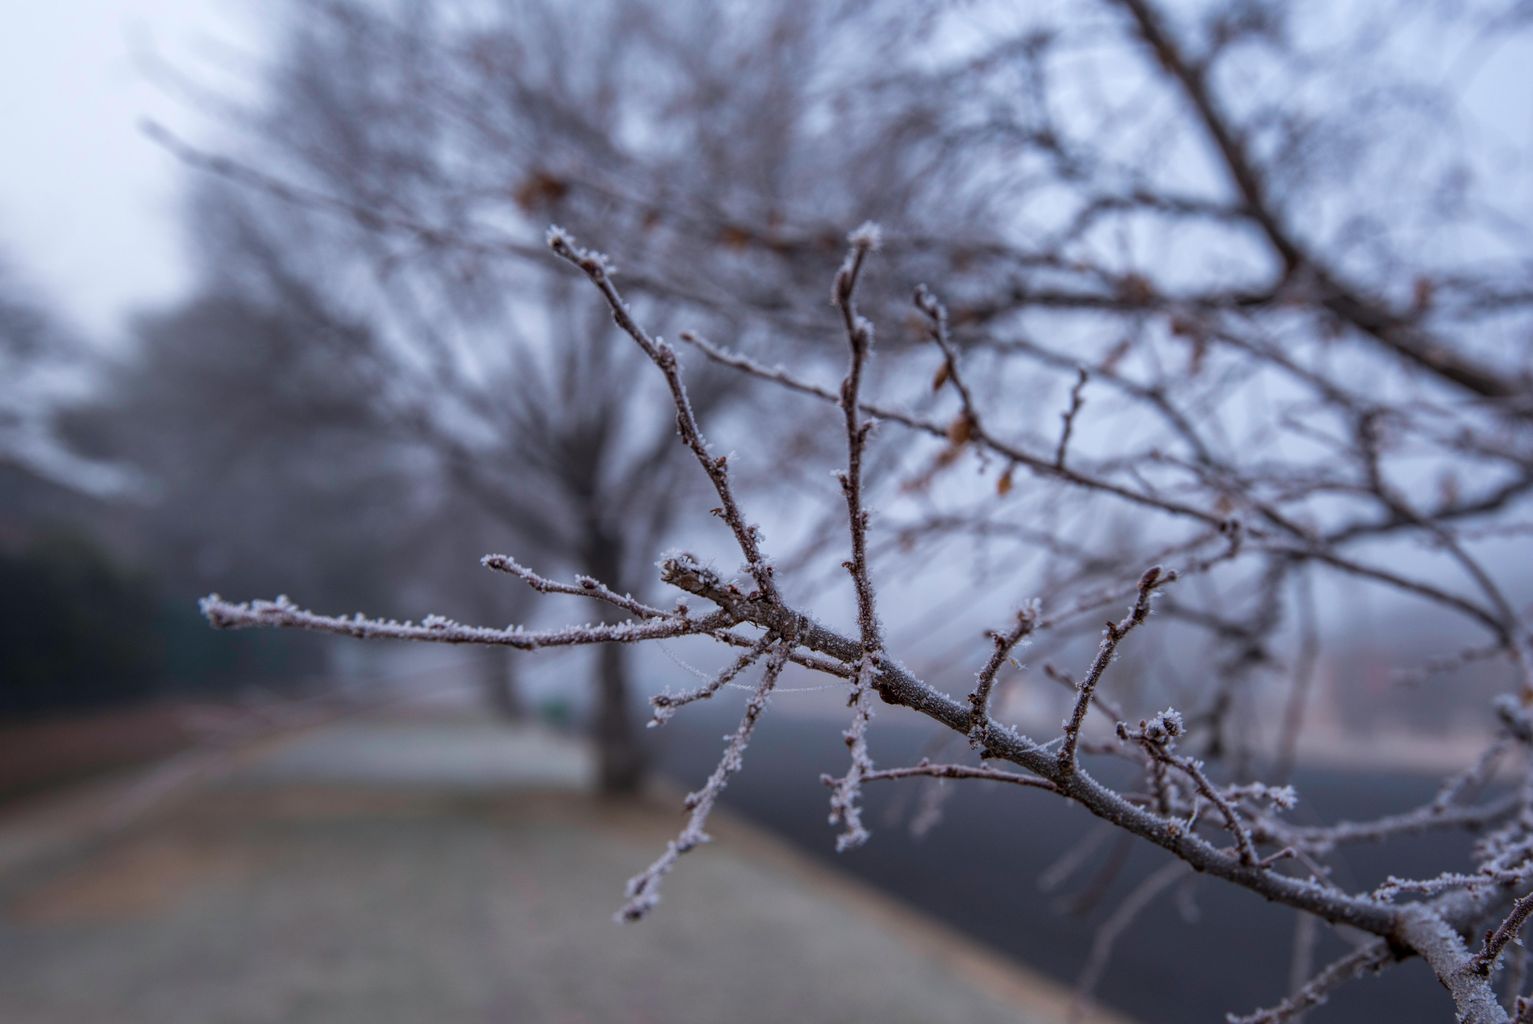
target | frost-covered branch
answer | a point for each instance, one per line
(644, 888)
(584, 586)
(896, 686)
(1156, 736)
(846, 792)
(1112, 636)
(1221, 512)
(958, 771)
(1315, 991)
(859, 336)
(1442, 947)
(598, 269)
(1067, 428)
(1507, 931)
(1005, 643)
(666, 704)
(440, 630)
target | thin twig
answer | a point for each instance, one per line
(644, 888)
(1113, 635)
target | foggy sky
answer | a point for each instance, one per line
(88, 205)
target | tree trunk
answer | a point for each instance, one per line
(497, 674)
(621, 763)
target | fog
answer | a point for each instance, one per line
(959, 393)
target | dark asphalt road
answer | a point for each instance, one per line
(979, 869)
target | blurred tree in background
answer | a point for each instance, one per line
(1234, 288)
(376, 359)
(391, 133)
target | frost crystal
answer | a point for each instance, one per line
(1164, 727)
(868, 235)
(846, 793)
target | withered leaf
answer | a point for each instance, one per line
(941, 376)
(961, 429)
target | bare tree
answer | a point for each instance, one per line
(41, 375)
(254, 478)
(1202, 345)
(397, 145)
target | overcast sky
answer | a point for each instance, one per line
(87, 204)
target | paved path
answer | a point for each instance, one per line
(1201, 950)
(441, 871)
